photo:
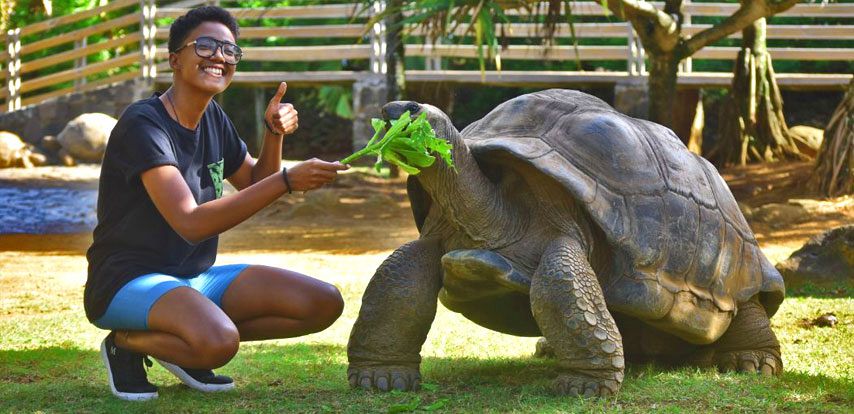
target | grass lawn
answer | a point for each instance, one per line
(49, 360)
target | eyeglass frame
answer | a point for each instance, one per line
(220, 45)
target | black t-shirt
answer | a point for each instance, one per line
(132, 238)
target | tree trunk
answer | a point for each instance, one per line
(662, 87)
(395, 58)
(753, 128)
(834, 168)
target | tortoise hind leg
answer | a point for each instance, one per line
(569, 308)
(748, 345)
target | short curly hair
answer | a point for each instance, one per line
(185, 24)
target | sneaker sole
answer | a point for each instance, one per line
(127, 396)
(192, 382)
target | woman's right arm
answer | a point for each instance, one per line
(196, 223)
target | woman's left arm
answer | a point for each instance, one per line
(280, 119)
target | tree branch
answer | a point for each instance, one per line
(629, 9)
(750, 11)
(658, 30)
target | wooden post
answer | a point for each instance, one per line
(260, 107)
(147, 45)
(686, 66)
(378, 64)
(80, 63)
(13, 39)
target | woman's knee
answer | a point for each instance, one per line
(216, 346)
(328, 305)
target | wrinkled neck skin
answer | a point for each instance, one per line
(468, 199)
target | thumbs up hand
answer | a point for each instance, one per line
(281, 118)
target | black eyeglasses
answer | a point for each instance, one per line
(206, 47)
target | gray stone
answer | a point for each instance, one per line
(779, 215)
(85, 137)
(828, 257)
(369, 94)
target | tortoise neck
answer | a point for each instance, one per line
(468, 199)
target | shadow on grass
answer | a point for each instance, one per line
(312, 378)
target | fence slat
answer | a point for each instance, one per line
(71, 18)
(320, 11)
(297, 53)
(778, 53)
(77, 53)
(523, 52)
(123, 21)
(71, 74)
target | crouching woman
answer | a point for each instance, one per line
(151, 278)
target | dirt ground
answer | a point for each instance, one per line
(367, 216)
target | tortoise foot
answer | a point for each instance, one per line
(384, 378)
(587, 386)
(763, 362)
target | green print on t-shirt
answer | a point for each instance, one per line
(215, 169)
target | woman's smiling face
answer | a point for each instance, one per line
(211, 75)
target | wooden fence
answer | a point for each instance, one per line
(52, 58)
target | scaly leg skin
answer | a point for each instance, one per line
(749, 345)
(569, 307)
(398, 308)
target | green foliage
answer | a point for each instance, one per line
(407, 144)
(441, 18)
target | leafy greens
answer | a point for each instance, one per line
(408, 143)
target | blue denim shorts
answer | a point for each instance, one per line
(130, 306)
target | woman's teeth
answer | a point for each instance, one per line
(213, 71)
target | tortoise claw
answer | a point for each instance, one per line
(384, 378)
(586, 386)
(753, 362)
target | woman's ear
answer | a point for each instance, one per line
(173, 61)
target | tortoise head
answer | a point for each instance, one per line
(440, 122)
(465, 195)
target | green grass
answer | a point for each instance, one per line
(49, 363)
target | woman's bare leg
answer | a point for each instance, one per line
(267, 302)
(186, 329)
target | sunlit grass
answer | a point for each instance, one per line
(49, 362)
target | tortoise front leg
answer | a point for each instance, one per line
(569, 307)
(398, 308)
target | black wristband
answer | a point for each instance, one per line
(267, 125)
(285, 177)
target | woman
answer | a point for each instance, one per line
(160, 209)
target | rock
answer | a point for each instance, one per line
(828, 257)
(85, 137)
(11, 147)
(16, 153)
(828, 320)
(807, 138)
(779, 215)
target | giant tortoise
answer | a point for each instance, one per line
(568, 220)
